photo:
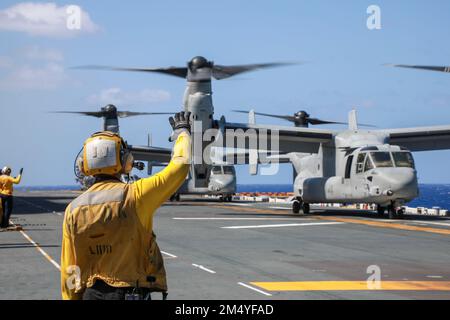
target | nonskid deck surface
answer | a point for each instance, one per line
(244, 250)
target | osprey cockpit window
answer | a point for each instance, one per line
(348, 167)
(217, 170)
(369, 164)
(360, 162)
(228, 169)
(382, 159)
(403, 159)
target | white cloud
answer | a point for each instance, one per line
(120, 97)
(48, 76)
(40, 53)
(45, 19)
(32, 67)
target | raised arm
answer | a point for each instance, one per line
(152, 192)
(17, 179)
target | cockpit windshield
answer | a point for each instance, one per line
(228, 170)
(217, 170)
(381, 159)
(369, 164)
(403, 159)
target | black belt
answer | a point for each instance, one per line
(129, 293)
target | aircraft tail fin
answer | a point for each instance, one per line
(149, 139)
(251, 117)
(352, 120)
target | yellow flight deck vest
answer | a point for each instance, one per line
(109, 240)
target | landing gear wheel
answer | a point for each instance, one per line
(380, 210)
(177, 197)
(221, 199)
(296, 206)
(305, 208)
(400, 213)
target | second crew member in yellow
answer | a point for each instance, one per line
(6, 193)
(109, 250)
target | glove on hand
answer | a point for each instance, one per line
(179, 123)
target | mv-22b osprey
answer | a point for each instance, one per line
(353, 165)
(204, 177)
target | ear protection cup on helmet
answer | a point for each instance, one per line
(127, 160)
(80, 165)
(123, 162)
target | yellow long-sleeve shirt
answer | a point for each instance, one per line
(7, 182)
(149, 194)
(152, 192)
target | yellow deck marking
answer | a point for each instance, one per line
(390, 225)
(353, 286)
(38, 248)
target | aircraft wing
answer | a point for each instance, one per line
(290, 139)
(242, 156)
(152, 154)
(421, 138)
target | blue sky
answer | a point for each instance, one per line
(341, 69)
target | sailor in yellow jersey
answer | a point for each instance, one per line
(6, 193)
(109, 250)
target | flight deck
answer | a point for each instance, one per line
(247, 250)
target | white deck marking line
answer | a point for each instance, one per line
(169, 254)
(238, 204)
(38, 248)
(283, 225)
(280, 208)
(429, 222)
(254, 289)
(237, 218)
(203, 268)
(435, 277)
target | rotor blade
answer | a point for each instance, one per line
(430, 68)
(220, 72)
(173, 71)
(288, 118)
(315, 121)
(124, 114)
(97, 114)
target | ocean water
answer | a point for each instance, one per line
(431, 195)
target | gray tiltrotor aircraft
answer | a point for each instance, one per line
(330, 166)
(353, 165)
(205, 177)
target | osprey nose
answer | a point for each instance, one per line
(401, 183)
